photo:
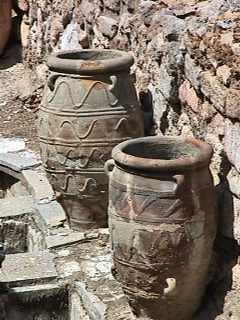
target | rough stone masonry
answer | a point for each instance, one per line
(187, 68)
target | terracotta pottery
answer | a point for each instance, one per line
(5, 23)
(163, 224)
(89, 106)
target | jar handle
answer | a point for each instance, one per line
(171, 287)
(51, 81)
(114, 82)
(109, 166)
(179, 179)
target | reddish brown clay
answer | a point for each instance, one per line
(163, 224)
(89, 106)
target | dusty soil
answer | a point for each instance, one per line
(16, 118)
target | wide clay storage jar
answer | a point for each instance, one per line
(89, 106)
(163, 224)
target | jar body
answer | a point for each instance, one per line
(162, 238)
(80, 120)
(5, 23)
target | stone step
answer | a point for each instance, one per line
(28, 268)
(16, 206)
(19, 161)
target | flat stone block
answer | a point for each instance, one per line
(38, 185)
(11, 145)
(16, 206)
(59, 240)
(51, 214)
(32, 293)
(19, 161)
(27, 268)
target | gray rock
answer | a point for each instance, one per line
(192, 71)
(64, 239)
(94, 306)
(233, 178)
(51, 214)
(25, 268)
(232, 143)
(16, 206)
(19, 161)
(212, 88)
(11, 145)
(38, 185)
(35, 292)
(70, 37)
(107, 26)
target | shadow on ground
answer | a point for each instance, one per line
(11, 56)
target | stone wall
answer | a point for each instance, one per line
(187, 68)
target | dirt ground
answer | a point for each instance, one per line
(16, 118)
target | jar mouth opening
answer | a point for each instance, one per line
(161, 150)
(90, 61)
(90, 55)
(163, 154)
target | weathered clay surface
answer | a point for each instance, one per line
(89, 106)
(163, 224)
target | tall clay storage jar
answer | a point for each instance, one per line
(89, 106)
(5, 22)
(163, 224)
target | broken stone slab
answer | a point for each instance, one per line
(16, 206)
(11, 145)
(25, 268)
(93, 305)
(77, 310)
(67, 238)
(33, 292)
(19, 161)
(38, 185)
(51, 214)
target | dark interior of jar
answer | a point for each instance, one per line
(162, 151)
(90, 55)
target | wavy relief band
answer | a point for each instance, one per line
(120, 122)
(141, 206)
(86, 134)
(169, 220)
(57, 88)
(85, 163)
(77, 143)
(138, 265)
(91, 87)
(89, 182)
(86, 95)
(86, 113)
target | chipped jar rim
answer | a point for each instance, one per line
(90, 61)
(162, 154)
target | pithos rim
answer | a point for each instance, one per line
(146, 154)
(90, 61)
